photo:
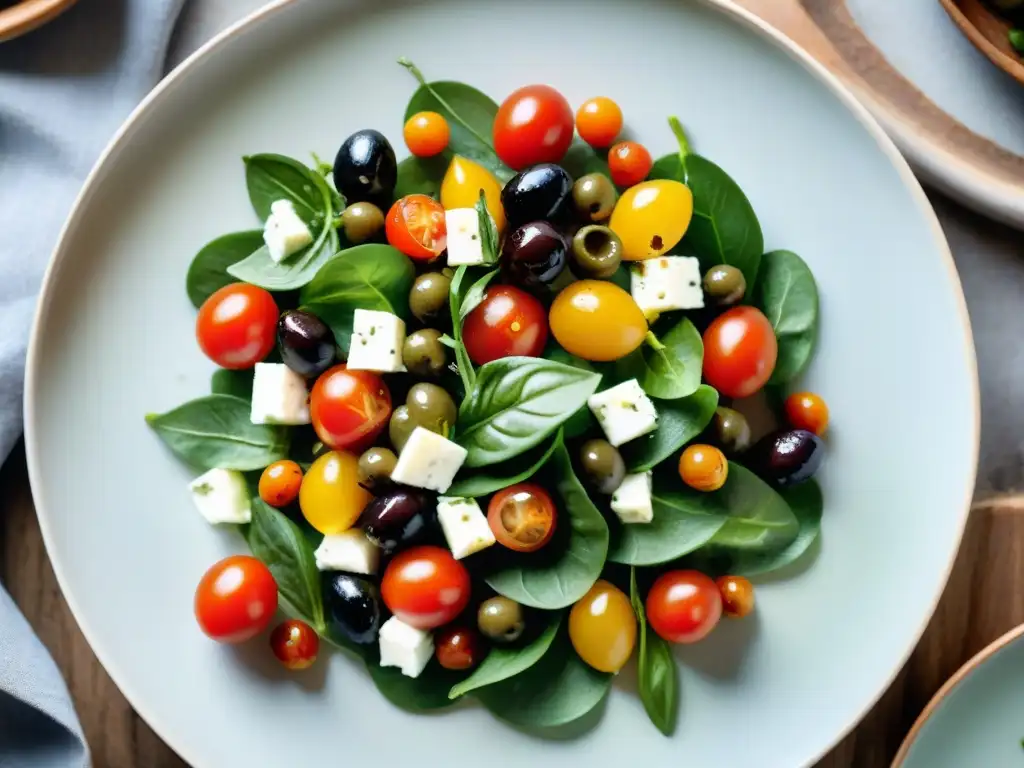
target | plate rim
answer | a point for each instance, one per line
(729, 9)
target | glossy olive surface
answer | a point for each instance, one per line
(596, 253)
(539, 192)
(501, 619)
(397, 518)
(375, 468)
(423, 353)
(352, 607)
(305, 342)
(428, 298)
(365, 169)
(602, 465)
(787, 457)
(533, 256)
(594, 197)
(362, 222)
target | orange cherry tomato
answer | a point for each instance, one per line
(533, 125)
(426, 134)
(703, 467)
(235, 599)
(737, 596)
(509, 322)
(683, 606)
(599, 121)
(280, 483)
(740, 351)
(415, 225)
(425, 587)
(349, 408)
(295, 644)
(806, 410)
(237, 325)
(629, 163)
(522, 517)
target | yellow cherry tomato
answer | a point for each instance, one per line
(331, 497)
(651, 218)
(462, 184)
(597, 320)
(602, 627)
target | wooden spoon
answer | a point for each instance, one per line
(27, 15)
(988, 31)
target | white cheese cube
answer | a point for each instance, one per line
(377, 339)
(285, 233)
(465, 242)
(667, 283)
(279, 396)
(625, 412)
(464, 525)
(348, 551)
(428, 461)
(405, 647)
(632, 499)
(221, 496)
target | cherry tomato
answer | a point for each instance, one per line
(349, 408)
(236, 599)
(279, 483)
(522, 517)
(237, 326)
(425, 587)
(739, 352)
(426, 134)
(629, 163)
(599, 121)
(331, 498)
(415, 226)
(462, 184)
(459, 648)
(651, 218)
(597, 320)
(703, 467)
(683, 606)
(737, 596)
(509, 322)
(806, 410)
(295, 644)
(533, 125)
(602, 627)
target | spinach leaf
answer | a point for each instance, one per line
(657, 674)
(515, 403)
(421, 176)
(669, 367)
(236, 383)
(759, 519)
(583, 419)
(503, 662)
(582, 159)
(788, 296)
(488, 233)
(294, 272)
(215, 431)
(491, 479)
(567, 568)
(473, 298)
(679, 421)
(427, 692)
(208, 272)
(272, 177)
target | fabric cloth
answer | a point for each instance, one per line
(64, 90)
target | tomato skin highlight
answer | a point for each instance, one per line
(737, 596)
(602, 627)
(703, 467)
(651, 218)
(462, 184)
(425, 587)
(509, 322)
(740, 351)
(598, 122)
(683, 606)
(629, 163)
(806, 410)
(279, 484)
(597, 320)
(426, 134)
(295, 644)
(522, 517)
(237, 326)
(236, 599)
(533, 125)
(331, 498)
(349, 409)
(415, 225)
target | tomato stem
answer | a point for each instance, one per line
(680, 134)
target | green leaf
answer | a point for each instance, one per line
(235, 383)
(657, 674)
(563, 572)
(427, 692)
(208, 271)
(679, 422)
(421, 176)
(215, 431)
(669, 367)
(504, 662)
(272, 177)
(474, 296)
(488, 232)
(515, 403)
(788, 296)
(493, 478)
(581, 421)
(292, 273)
(759, 519)
(583, 159)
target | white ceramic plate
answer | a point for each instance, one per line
(114, 340)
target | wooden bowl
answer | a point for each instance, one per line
(28, 15)
(987, 31)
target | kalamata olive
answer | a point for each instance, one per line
(787, 457)
(424, 354)
(361, 222)
(432, 407)
(539, 192)
(365, 169)
(724, 285)
(533, 256)
(729, 430)
(602, 465)
(400, 427)
(305, 342)
(596, 253)
(428, 299)
(397, 518)
(375, 468)
(352, 607)
(501, 619)
(594, 197)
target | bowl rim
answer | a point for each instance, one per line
(1009, 65)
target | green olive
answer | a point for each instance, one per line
(361, 222)
(375, 467)
(594, 197)
(730, 430)
(400, 427)
(432, 407)
(596, 252)
(424, 354)
(501, 619)
(724, 285)
(602, 465)
(428, 298)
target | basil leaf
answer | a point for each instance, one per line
(215, 431)
(208, 272)
(788, 296)
(657, 674)
(421, 176)
(669, 367)
(427, 692)
(488, 232)
(759, 519)
(235, 383)
(503, 662)
(583, 159)
(474, 296)
(679, 422)
(566, 568)
(294, 272)
(517, 470)
(515, 403)
(581, 421)
(272, 177)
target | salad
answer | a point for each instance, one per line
(473, 412)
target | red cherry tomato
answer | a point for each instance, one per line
(739, 352)
(349, 408)
(629, 163)
(508, 322)
(533, 125)
(522, 517)
(295, 644)
(425, 587)
(684, 606)
(237, 325)
(236, 599)
(415, 225)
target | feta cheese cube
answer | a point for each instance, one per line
(632, 499)
(405, 647)
(377, 339)
(221, 496)
(285, 233)
(428, 461)
(464, 525)
(349, 551)
(279, 396)
(465, 241)
(625, 412)
(667, 283)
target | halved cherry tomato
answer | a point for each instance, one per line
(522, 517)
(425, 587)
(508, 322)
(599, 121)
(629, 163)
(684, 606)
(236, 599)
(533, 125)
(237, 325)
(426, 134)
(295, 644)
(415, 225)
(740, 351)
(280, 482)
(806, 410)
(349, 408)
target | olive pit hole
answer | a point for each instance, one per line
(595, 241)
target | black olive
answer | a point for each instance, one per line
(397, 518)
(352, 607)
(305, 342)
(540, 192)
(787, 457)
(533, 256)
(365, 169)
